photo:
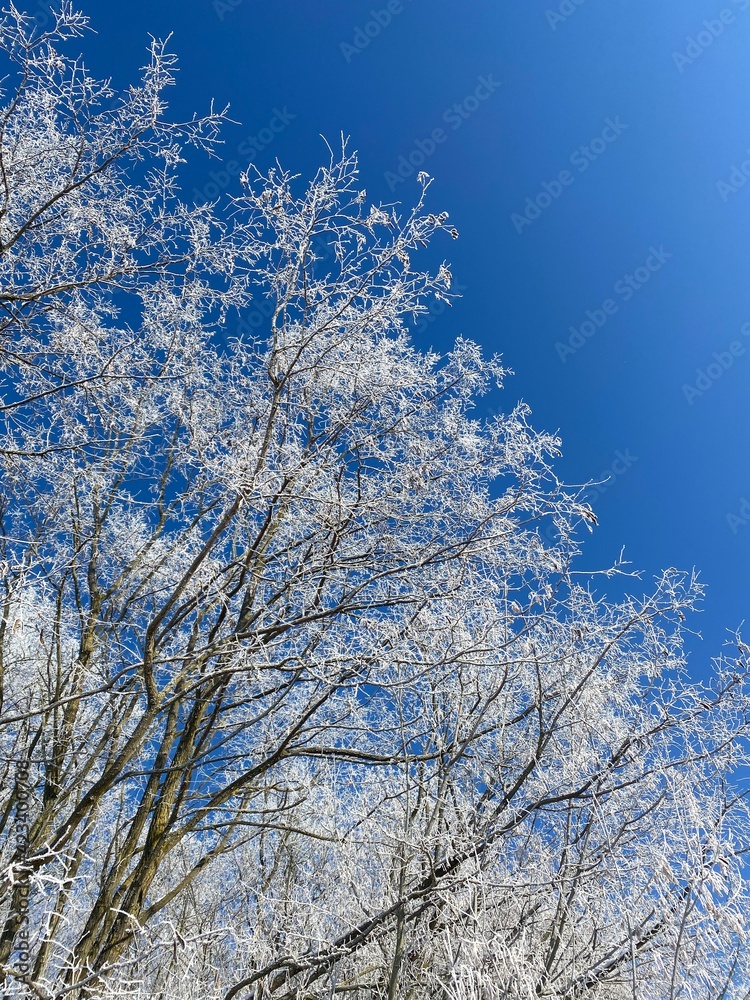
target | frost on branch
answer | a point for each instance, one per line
(295, 698)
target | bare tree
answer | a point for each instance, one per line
(296, 700)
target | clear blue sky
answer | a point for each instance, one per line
(589, 169)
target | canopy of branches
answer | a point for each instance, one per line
(297, 699)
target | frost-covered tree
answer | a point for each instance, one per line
(297, 700)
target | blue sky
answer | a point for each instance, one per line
(591, 155)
